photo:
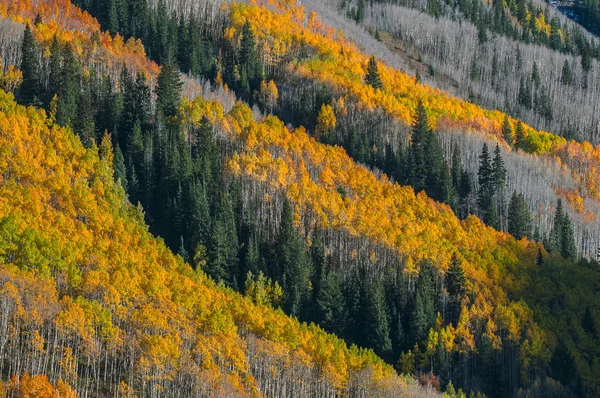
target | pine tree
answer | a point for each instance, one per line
(378, 331)
(168, 91)
(520, 142)
(535, 76)
(498, 170)
(292, 263)
(519, 217)
(448, 193)
(486, 184)
(568, 249)
(566, 77)
(423, 315)
(330, 304)
(83, 124)
(29, 91)
(589, 322)
(456, 287)
(251, 73)
(507, 131)
(372, 77)
(119, 167)
(69, 96)
(418, 142)
(561, 236)
(224, 246)
(54, 73)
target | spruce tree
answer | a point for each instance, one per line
(378, 329)
(485, 193)
(519, 217)
(119, 167)
(424, 310)
(372, 77)
(292, 264)
(29, 91)
(54, 73)
(330, 303)
(456, 287)
(498, 170)
(418, 143)
(507, 131)
(568, 249)
(566, 77)
(69, 96)
(561, 236)
(83, 124)
(224, 245)
(168, 91)
(535, 76)
(520, 142)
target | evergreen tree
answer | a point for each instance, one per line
(83, 125)
(561, 236)
(54, 73)
(292, 263)
(224, 246)
(589, 322)
(69, 96)
(456, 287)
(29, 91)
(378, 330)
(539, 260)
(372, 77)
(419, 169)
(568, 249)
(330, 303)
(423, 315)
(200, 225)
(498, 170)
(168, 91)
(507, 131)
(535, 76)
(251, 73)
(519, 217)
(566, 77)
(486, 184)
(520, 142)
(110, 106)
(119, 167)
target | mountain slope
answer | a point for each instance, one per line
(85, 288)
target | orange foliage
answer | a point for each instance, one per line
(340, 65)
(69, 232)
(39, 386)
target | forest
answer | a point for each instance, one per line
(306, 186)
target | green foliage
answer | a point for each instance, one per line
(372, 77)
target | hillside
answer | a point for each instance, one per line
(83, 283)
(331, 219)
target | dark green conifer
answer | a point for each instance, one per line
(372, 77)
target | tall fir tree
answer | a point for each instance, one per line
(507, 132)
(69, 96)
(168, 91)
(372, 77)
(498, 170)
(520, 142)
(519, 217)
(29, 91)
(456, 287)
(485, 194)
(378, 329)
(293, 266)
